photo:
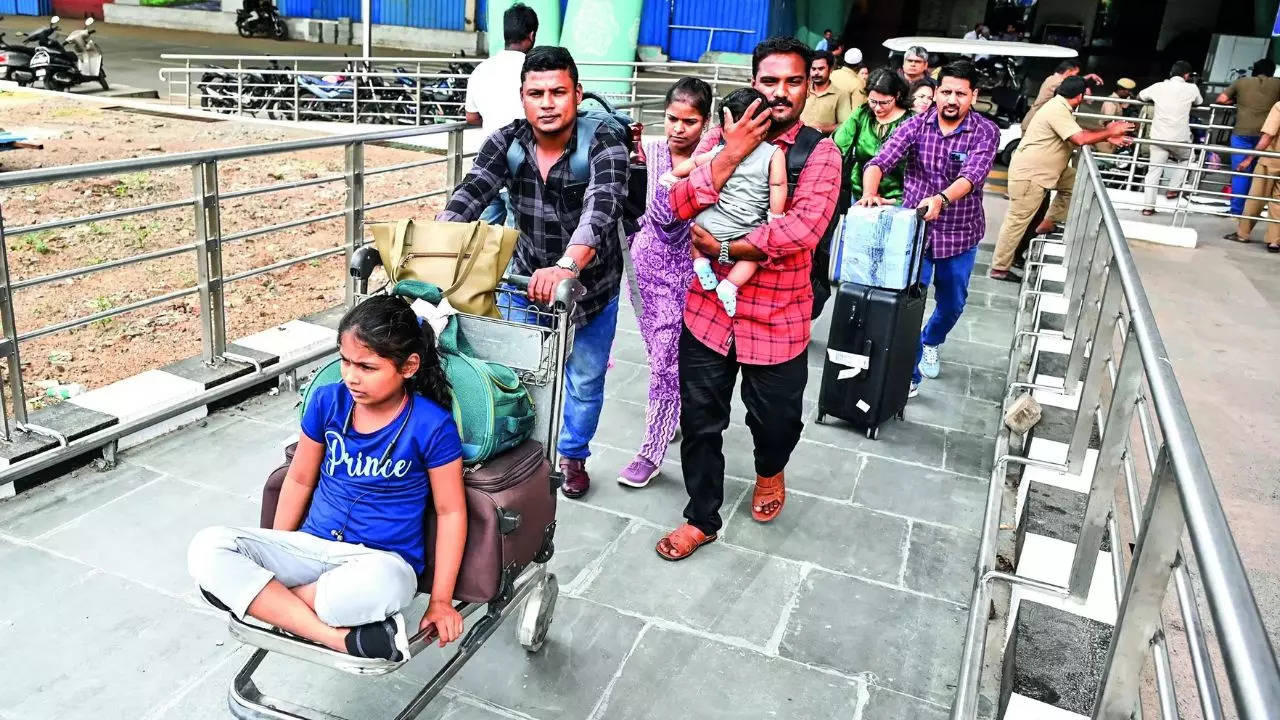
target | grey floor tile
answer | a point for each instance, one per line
(66, 498)
(129, 649)
(911, 643)
(622, 425)
(828, 534)
(34, 578)
(996, 330)
(582, 535)
(720, 590)
(970, 454)
(824, 470)
(924, 493)
(705, 679)
(889, 705)
(940, 561)
(232, 453)
(987, 385)
(953, 379)
(145, 539)
(627, 381)
(629, 346)
(661, 502)
(585, 646)
(988, 357)
(954, 412)
(908, 441)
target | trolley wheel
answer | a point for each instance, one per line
(872, 432)
(821, 417)
(902, 414)
(535, 616)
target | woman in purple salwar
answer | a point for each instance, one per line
(664, 272)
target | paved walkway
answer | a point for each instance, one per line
(851, 605)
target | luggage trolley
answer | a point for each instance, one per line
(537, 352)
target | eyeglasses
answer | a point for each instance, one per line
(879, 103)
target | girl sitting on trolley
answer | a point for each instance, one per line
(374, 450)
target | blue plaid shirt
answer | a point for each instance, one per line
(549, 218)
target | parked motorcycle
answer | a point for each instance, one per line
(259, 18)
(15, 60)
(63, 65)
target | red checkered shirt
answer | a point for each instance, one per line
(772, 321)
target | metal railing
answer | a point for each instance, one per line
(1114, 340)
(205, 251)
(400, 91)
(1194, 184)
(711, 32)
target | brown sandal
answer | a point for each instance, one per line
(682, 542)
(768, 497)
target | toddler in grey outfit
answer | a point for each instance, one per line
(754, 194)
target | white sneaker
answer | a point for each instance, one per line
(914, 391)
(929, 364)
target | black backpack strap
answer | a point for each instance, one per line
(798, 156)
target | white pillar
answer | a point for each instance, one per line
(366, 27)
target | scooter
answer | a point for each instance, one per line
(260, 18)
(60, 66)
(15, 60)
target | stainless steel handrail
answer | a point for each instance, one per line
(1103, 288)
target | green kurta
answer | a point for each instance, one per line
(865, 134)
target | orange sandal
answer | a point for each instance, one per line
(682, 542)
(768, 497)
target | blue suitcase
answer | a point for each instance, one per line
(873, 246)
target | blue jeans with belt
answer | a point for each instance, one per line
(950, 278)
(584, 373)
(1240, 183)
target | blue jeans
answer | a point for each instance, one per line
(951, 288)
(499, 210)
(1240, 183)
(584, 373)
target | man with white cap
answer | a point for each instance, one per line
(847, 80)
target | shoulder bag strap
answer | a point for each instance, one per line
(469, 248)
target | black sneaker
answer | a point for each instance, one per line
(384, 640)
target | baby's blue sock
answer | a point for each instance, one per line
(706, 276)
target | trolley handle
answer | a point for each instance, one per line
(568, 292)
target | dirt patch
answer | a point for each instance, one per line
(112, 348)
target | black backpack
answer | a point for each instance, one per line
(797, 156)
(580, 162)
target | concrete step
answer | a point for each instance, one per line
(116, 91)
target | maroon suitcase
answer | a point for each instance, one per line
(511, 520)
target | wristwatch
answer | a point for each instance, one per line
(567, 263)
(724, 253)
(946, 201)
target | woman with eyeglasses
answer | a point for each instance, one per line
(921, 94)
(870, 125)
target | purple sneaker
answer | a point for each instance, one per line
(638, 473)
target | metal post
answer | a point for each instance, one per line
(366, 28)
(209, 261)
(188, 83)
(240, 87)
(635, 73)
(1077, 260)
(453, 165)
(355, 96)
(1082, 311)
(9, 346)
(417, 96)
(297, 100)
(1139, 616)
(354, 212)
(1091, 392)
(1115, 441)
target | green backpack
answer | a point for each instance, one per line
(492, 408)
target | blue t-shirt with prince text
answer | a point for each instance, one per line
(373, 487)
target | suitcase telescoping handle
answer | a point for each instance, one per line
(917, 248)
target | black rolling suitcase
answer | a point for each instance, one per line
(871, 350)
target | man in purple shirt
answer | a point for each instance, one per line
(948, 151)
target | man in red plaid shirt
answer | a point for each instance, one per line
(767, 337)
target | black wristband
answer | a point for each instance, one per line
(946, 202)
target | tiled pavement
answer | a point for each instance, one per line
(851, 605)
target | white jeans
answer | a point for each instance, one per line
(354, 584)
(1160, 155)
